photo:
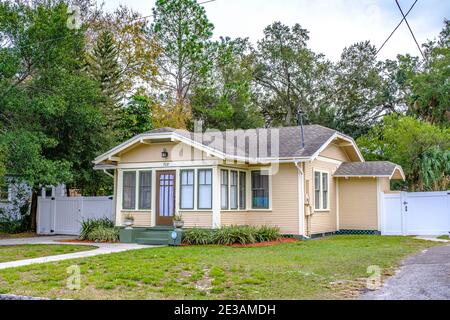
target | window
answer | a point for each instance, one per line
(145, 190)
(321, 182)
(242, 190)
(233, 190)
(187, 189)
(224, 189)
(5, 195)
(260, 190)
(204, 189)
(129, 190)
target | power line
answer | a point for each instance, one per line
(395, 29)
(410, 30)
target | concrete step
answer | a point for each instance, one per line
(153, 241)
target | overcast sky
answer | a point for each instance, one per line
(333, 24)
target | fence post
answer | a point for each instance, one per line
(403, 206)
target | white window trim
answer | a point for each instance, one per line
(8, 195)
(251, 189)
(321, 209)
(194, 193)
(196, 188)
(247, 173)
(136, 201)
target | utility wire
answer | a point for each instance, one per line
(398, 25)
(410, 30)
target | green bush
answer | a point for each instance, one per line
(231, 235)
(267, 233)
(89, 225)
(100, 230)
(198, 236)
(102, 234)
(235, 235)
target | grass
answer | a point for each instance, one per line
(29, 251)
(330, 268)
(444, 237)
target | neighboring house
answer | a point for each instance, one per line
(14, 195)
(306, 184)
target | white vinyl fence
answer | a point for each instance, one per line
(415, 213)
(63, 215)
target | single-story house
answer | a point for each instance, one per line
(307, 181)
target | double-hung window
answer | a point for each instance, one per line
(137, 190)
(204, 189)
(224, 189)
(321, 196)
(260, 190)
(242, 190)
(129, 190)
(187, 189)
(145, 190)
(233, 190)
(5, 193)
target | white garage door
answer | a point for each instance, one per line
(416, 213)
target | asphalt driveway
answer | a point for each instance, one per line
(425, 276)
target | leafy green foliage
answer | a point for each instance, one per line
(102, 234)
(136, 117)
(419, 147)
(197, 236)
(231, 235)
(89, 226)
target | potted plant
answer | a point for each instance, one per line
(178, 222)
(128, 221)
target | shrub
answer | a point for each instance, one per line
(235, 234)
(198, 236)
(102, 234)
(267, 233)
(89, 226)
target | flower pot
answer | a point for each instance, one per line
(177, 224)
(128, 224)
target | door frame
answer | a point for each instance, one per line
(162, 220)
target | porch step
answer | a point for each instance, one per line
(153, 241)
(154, 234)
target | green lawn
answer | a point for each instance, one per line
(444, 237)
(29, 251)
(329, 268)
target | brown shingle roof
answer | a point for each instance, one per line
(238, 141)
(370, 168)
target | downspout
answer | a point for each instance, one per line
(301, 199)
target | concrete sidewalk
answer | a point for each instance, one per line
(102, 248)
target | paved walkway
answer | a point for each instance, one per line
(424, 276)
(102, 248)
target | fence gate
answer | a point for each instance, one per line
(63, 215)
(415, 213)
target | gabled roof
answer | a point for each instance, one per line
(236, 144)
(370, 169)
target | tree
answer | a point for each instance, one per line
(422, 149)
(430, 88)
(136, 117)
(51, 125)
(289, 76)
(364, 89)
(226, 100)
(182, 32)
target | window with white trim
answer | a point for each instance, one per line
(321, 195)
(129, 190)
(204, 189)
(224, 189)
(145, 190)
(187, 189)
(233, 190)
(260, 190)
(242, 190)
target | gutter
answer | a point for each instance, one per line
(301, 199)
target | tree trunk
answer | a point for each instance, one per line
(33, 211)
